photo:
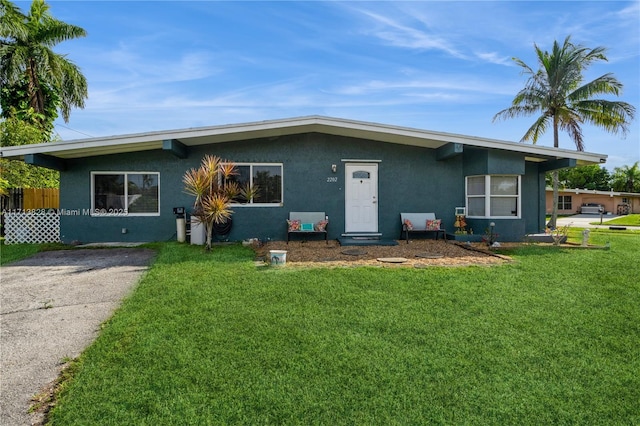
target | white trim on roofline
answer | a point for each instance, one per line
(79, 148)
(611, 192)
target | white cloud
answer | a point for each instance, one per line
(450, 83)
(401, 35)
(495, 58)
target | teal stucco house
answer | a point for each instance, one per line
(361, 174)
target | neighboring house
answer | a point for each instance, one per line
(362, 175)
(572, 201)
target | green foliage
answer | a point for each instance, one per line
(211, 186)
(207, 338)
(35, 80)
(584, 177)
(15, 131)
(626, 178)
(556, 94)
(14, 102)
(17, 174)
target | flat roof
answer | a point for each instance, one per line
(609, 193)
(80, 148)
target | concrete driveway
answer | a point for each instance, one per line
(52, 305)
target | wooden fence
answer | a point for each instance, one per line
(27, 200)
(30, 199)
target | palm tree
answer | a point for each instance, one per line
(557, 94)
(29, 65)
(626, 178)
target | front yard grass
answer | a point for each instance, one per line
(551, 338)
(12, 252)
(627, 220)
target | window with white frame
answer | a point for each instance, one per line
(125, 193)
(493, 196)
(265, 181)
(564, 202)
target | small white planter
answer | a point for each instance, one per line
(278, 257)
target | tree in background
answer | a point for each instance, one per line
(36, 81)
(17, 174)
(583, 177)
(556, 93)
(626, 178)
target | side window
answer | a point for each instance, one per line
(125, 193)
(265, 181)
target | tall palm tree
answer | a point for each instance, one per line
(29, 64)
(557, 94)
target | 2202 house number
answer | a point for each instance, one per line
(332, 179)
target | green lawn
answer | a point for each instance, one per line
(628, 220)
(551, 338)
(13, 252)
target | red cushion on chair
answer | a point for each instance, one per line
(433, 224)
(294, 225)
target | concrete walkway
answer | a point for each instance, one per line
(51, 308)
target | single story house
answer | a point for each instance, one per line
(572, 201)
(361, 174)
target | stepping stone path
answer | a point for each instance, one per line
(354, 252)
(392, 259)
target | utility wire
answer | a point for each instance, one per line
(74, 130)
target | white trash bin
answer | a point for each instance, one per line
(197, 232)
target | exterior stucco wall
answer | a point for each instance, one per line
(609, 202)
(492, 162)
(411, 179)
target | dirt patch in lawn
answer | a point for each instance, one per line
(418, 253)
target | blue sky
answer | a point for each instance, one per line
(435, 65)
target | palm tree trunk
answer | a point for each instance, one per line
(36, 100)
(554, 208)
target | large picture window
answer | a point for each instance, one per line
(125, 193)
(493, 196)
(264, 178)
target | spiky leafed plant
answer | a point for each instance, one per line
(556, 92)
(210, 185)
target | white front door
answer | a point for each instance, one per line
(361, 197)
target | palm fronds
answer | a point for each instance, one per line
(556, 90)
(26, 52)
(556, 93)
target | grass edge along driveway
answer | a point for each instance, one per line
(211, 339)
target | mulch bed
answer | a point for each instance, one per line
(418, 253)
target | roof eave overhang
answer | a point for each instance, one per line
(277, 128)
